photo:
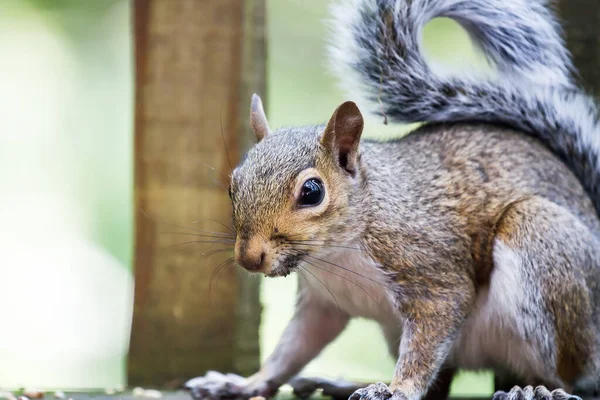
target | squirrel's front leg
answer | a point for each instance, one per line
(314, 325)
(429, 330)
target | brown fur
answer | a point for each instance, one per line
(432, 209)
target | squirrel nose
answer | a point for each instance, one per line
(250, 255)
(251, 262)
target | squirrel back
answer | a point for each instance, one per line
(375, 46)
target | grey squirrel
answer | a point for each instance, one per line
(474, 241)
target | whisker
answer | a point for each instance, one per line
(212, 252)
(224, 226)
(317, 242)
(229, 265)
(215, 272)
(216, 172)
(343, 277)
(206, 165)
(333, 246)
(347, 269)
(214, 220)
(184, 227)
(197, 241)
(321, 282)
(218, 235)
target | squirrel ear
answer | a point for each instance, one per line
(258, 119)
(342, 135)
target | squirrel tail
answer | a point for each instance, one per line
(375, 48)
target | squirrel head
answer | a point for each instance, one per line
(292, 195)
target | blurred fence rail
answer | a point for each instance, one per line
(196, 64)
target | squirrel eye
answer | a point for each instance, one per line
(229, 192)
(312, 193)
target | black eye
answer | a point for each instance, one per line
(312, 193)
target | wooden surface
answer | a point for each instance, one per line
(181, 395)
(196, 63)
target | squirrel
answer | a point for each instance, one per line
(473, 241)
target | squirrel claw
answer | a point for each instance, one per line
(218, 386)
(531, 393)
(377, 391)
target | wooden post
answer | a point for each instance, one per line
(581, 20)
(254, 76)
(197, 63)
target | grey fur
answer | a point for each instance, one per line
(469, 242)
(382, 61)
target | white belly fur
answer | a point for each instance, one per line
(494, 333)
(491, 336)
(357, 284)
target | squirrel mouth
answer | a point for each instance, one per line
(279, 272)
(288, 265)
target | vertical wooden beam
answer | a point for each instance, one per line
(581, 20)
(196, 64)
(254, 73)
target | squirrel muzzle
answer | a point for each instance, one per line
(250, 254)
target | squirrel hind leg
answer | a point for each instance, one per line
(543, 291)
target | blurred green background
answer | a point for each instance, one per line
(66, 162)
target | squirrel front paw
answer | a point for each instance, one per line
(531, 393)
(377, 391)
(218, 386)
(336, 389)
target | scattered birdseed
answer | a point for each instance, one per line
(138, 391)
(59, 395)
(109, 391)
(257, 398)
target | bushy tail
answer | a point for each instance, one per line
(376, 50)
